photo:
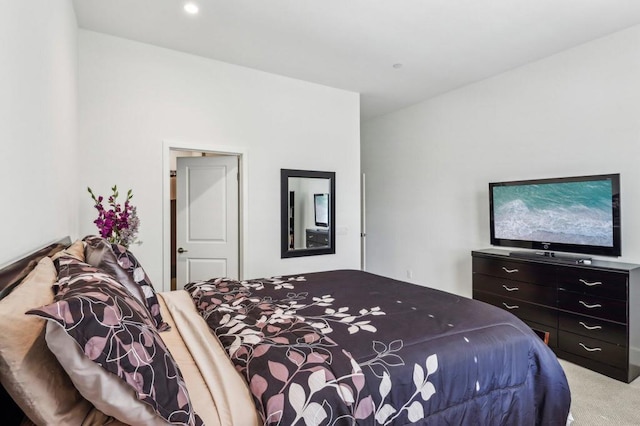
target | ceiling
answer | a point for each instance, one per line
(353, 44)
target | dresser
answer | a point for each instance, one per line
(589, 314)
(317, 238)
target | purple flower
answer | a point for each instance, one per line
(119, 223)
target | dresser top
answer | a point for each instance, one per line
(595, 263)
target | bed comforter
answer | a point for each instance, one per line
(348, 347)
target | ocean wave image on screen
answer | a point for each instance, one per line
(569, 213)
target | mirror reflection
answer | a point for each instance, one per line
(308, 212)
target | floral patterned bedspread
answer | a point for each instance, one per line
(348, 347)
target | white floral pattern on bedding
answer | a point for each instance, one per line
(348, 347)
(308, 379)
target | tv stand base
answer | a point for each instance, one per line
(542, 255)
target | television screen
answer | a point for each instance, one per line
(575, 214)
(321, 209)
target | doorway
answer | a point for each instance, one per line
(197, 264)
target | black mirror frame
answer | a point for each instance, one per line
(285, 174)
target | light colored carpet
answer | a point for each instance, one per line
(599, 400)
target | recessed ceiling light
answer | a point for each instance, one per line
(191, 8)
(397, 66)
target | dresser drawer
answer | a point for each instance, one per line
(594, 328)
(609, 309)
(553, 332)
(533, 293)
(521, 309)
(597, 350)
(317, 238)
(517, 271)
(612, 285)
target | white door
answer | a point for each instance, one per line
(207, 223)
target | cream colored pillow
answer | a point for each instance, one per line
(75, 250)
(29, 371)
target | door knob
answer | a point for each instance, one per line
(181, 250)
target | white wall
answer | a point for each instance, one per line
(428, 166)
(38, 142)
(135, 96)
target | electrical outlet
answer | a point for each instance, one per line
(409, 273)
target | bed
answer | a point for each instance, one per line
(328, 348)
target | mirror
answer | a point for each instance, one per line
(307, 206)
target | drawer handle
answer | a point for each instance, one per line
(509, 271)
(597, 305)
(592, 327)
(510, 307)
(590, 284)
(588, 349)
(510, 288)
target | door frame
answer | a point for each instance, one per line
(243, 199)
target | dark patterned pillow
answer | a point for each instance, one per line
(116, 332)
(125, 268)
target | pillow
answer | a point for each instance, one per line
(125, 268)
(75, 250)
(114, 330)
(109, 393)
(29, 371)
(98, 253)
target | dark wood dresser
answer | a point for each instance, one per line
(591, 312)
(317, 238)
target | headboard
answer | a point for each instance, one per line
(12, 273)
(10, 276)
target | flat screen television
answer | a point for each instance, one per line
(571, 214)
(321, 209)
